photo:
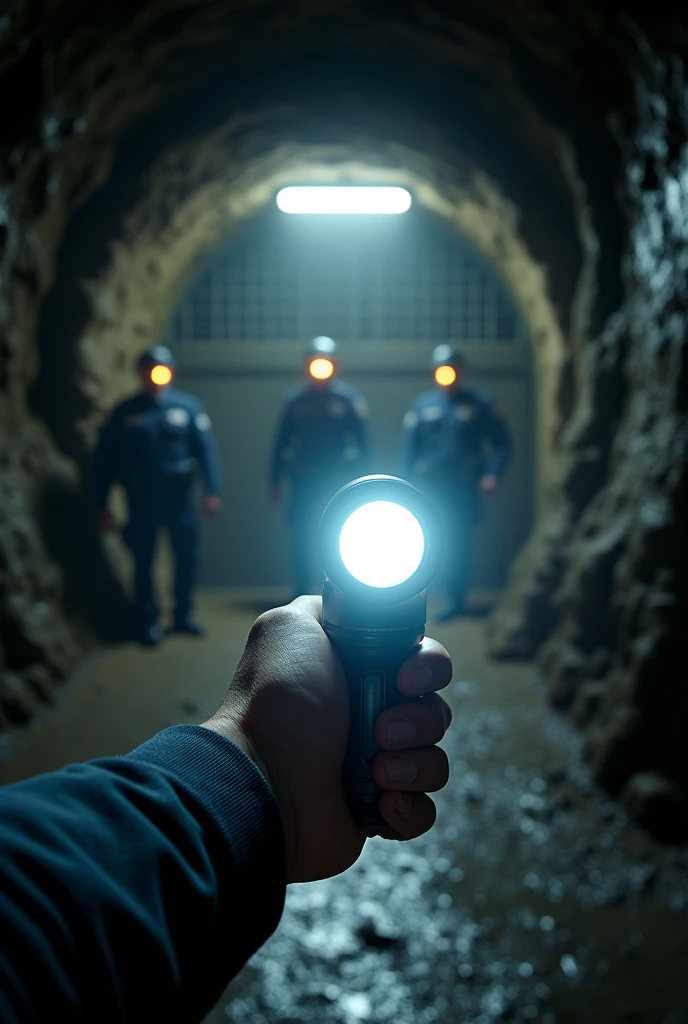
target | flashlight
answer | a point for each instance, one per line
(161, 375)
(445, 375)
(321, 369)
(378, 548)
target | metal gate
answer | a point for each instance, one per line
(388, 289)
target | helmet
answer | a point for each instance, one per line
(322, 346)
(445, 355)
(321, 358)
(158, 355)
(446, 365)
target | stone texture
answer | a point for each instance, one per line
(658, 805)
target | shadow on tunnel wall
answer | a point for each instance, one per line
(92, 595)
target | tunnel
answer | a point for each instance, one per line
(545, 150)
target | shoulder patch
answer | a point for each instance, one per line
(177, 416)
(410, 419)
(361, 408)
(202, 421)
(431, 413)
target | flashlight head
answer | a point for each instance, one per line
(378, 540)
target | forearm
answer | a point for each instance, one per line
(136, 887)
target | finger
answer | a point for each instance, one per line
(429, 669)
(413, 725)
(309, 604)
(424, 770)
(409, 814)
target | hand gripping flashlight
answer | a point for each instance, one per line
(378, 548)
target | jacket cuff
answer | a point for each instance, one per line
(234, 796)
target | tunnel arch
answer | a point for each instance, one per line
(160, 253)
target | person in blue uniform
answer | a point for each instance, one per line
(155, 444)
(322, 443)
(456, 447)
(132, 889)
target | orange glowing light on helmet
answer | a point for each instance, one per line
(161, 375)
(321, 369)
(445, 376)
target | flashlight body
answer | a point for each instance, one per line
(372, 643)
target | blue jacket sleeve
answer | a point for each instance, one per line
(133, 888)
(500, 442)
(205, 448)
(104, 461)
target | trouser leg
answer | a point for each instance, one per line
(459, 567)
(183, 527)
(456, 518)
(140, 535)
(304, 518)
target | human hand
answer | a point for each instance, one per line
(287, 708)
(212, 504)
(275, 495)
(106, 521)
(488, 483)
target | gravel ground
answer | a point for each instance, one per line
(532, 899)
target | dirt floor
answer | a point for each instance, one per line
(533, 898)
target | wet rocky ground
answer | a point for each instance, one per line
(532, 899)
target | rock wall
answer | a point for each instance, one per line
(599, 594)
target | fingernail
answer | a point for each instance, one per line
(403, 805)
(400, 730)
(422, 678)
(400, 769)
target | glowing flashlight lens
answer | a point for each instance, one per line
(321, 369)
(381, 544)
(161, 375)
(445, 375)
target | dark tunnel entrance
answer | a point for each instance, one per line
(388, 289)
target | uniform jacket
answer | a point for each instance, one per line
(322, 431)
(148, 439)
(446, 434)
(133, 888)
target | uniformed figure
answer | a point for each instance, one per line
(322, 443)
(456, 446)
(155, 444)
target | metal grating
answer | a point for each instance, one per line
(402, 282)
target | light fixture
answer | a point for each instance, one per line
(445, 376)
(343, 199)
(321, 369)
(161, 375)
(378, 544)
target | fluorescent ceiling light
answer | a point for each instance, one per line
(343, 199)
